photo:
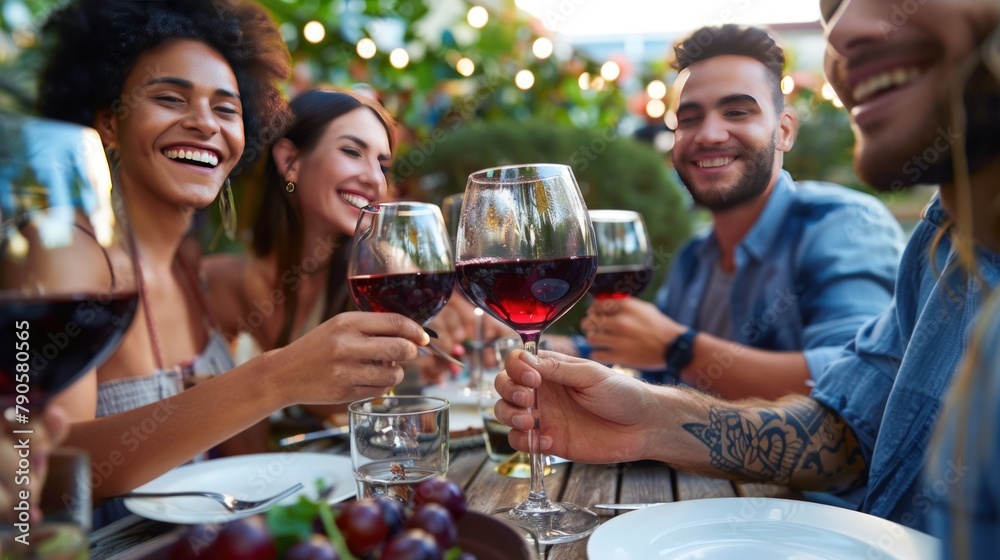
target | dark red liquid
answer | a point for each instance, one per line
(418, 296)
(619, 282)
(527, 295)
(65, 337)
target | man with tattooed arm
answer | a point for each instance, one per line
(924, 108)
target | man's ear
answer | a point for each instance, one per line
(104, 123)
(788, 128)
(286, 157)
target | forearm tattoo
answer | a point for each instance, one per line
(799, 439)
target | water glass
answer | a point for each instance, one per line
(397, 442)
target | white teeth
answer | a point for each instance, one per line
(717, 162)
(193, 155)
(355, 200)
(884, 80)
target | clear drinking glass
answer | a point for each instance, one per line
(625, 265)
(396, 443)
(526, 255)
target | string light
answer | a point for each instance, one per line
(655, 108)
(584, 81)
(478, 17)
(524, 79)
(787, 85)
(465, 67)
(399, 58)
(314, 32)
(542, 48)
(656, 89)
(610, 71)
(366, 48)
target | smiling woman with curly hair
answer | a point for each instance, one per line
(184, 94)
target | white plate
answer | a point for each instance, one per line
(455, 393)
(250, 477)
(755, 529)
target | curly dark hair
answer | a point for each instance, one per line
(279, 226)
(754, 42)
(91, 46)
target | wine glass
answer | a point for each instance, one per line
(67, 290)
(526, 254)
(451, 206)
(401, 261)
(625, 265)
(67, 276)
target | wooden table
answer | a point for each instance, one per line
(488, 491)
(586, 485)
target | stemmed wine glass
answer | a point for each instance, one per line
(526, 254)
(625, 265)
(67, 276)
(401, 261)
(451, 206)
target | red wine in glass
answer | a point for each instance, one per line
(620, 282)
(529, 294)
(401, 260)
(625, 265)
(57, 339)
(526, 254)
(417, 295)
(67, 274)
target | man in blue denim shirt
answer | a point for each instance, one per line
(762, 301)
(873, 412)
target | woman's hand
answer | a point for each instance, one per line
(351, 356)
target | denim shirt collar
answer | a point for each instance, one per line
(757, 242)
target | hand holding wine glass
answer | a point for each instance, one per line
(401, 261)
(526, 254)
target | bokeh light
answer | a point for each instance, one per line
(542, 47)
(610, 71)
(478, 17)
(656, 89)
(366, 48)
(465, 66)
(524, 79)
(314, 32)
(399, 58)
(656, 108)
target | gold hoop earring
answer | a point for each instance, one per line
(290, 187)
(227, 210)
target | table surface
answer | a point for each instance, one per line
(488, 491)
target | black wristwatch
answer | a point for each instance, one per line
(679, 354)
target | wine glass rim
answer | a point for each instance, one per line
(358, 407)
(406, 208)
(614, 215)
(511, 174)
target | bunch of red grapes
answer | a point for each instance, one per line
(370, 529)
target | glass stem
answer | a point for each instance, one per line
(537, 499)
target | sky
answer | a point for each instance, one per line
(576, 18)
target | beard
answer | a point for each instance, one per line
(981, 102)
(753, 184)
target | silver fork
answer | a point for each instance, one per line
(230, 502)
